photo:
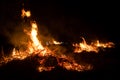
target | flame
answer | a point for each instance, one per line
(36, 44)
(18, 54)
(35, 47)
(25, 13)
(93, 47)
(15, 55)
(56, 42)
(104, 45)
(42, 68)
(75, 66)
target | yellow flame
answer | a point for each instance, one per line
(104, 45)
(25, 13)
(56, 42)
(94, 47)
(18, 54)
(36, 44)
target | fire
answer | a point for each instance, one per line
(25, 13)
(42, 68)
(18, 54)
(56, 42)
(84, 47)
(93, 47)
(70, 64)
(104, 45)
(75, 66)
(15, 55)
(36, 44)
(35, 47)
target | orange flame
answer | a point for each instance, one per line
(75, 66)
(56, 42)
(93, 47)
(18, 55)
(70, 64)
(36, 44)
(25, 13)
(104, 45)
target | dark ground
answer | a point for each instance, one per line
(65, 21)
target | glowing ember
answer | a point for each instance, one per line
(15, 55)
(70, 64)
(25, 13)
(104, 45)
(65, 62)
(18, 55)
(93, 47)
(42, 68)
(75, 66)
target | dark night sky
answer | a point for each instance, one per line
(66, 19)
(97, 18)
